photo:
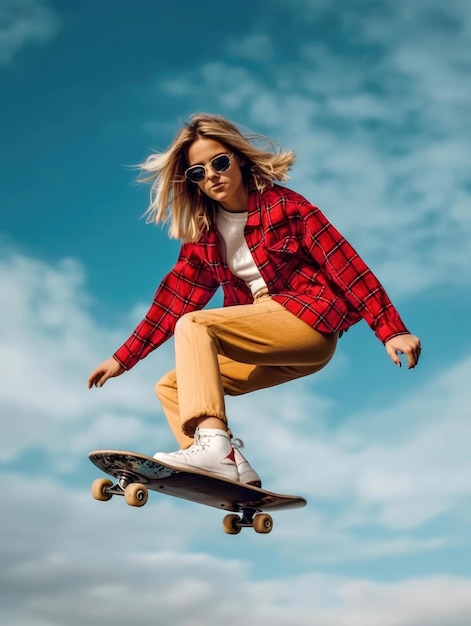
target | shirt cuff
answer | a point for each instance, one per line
(387, 331)
(125, 357)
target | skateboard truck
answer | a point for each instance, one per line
(135, 494)
(233, 523)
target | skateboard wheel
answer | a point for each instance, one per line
(136, 494)
(263, 523)
(230, 524)
(99, 487)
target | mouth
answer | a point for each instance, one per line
(217, 187)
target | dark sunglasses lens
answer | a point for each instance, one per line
(221, 163)
(196, 174)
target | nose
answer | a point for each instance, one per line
(210, 172)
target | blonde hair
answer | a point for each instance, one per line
(177, 201)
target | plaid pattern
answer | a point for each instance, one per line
(306, 263)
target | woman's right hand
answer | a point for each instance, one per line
(107, 369)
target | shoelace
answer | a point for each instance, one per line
(198, 444)
(203, 442)
(237, 443)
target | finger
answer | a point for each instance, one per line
(393, 355)
(92, 380)
(97, 379)
(101, 381)
(414, 356)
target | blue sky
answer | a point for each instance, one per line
(374, 98)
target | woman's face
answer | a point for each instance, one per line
(227, 187)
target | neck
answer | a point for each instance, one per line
(238, 203)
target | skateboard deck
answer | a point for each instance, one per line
(136, 474)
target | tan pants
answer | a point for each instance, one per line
(235, 350)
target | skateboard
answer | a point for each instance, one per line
(136, 474)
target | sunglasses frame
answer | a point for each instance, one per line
(217, 171)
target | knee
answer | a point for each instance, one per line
(166, 384)
(184, 323)
(191, 323)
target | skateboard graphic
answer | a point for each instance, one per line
(136, 474)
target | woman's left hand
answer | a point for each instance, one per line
(404, 344)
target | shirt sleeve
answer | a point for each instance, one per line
(187, 287)
(346, 270)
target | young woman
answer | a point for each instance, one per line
(292, 284)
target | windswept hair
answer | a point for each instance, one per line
(177, 201)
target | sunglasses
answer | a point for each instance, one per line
(220, 163)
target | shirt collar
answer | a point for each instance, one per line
(253, 207)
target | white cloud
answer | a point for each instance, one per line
(101, 563)
(258, 47)
(380, 466)
(81, 561)
(51, 344)
(23, 22)
(384, 484)
(389, 455)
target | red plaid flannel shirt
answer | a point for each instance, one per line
(306, 263)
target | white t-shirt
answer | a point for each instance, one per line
(236, 251)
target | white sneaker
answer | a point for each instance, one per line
(211, 451)
(246, 472)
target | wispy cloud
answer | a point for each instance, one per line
(51, 343)
(373, 96)
(379, 479)
(379, 120)
(377, 467)
(23, 22)
(66, 568)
